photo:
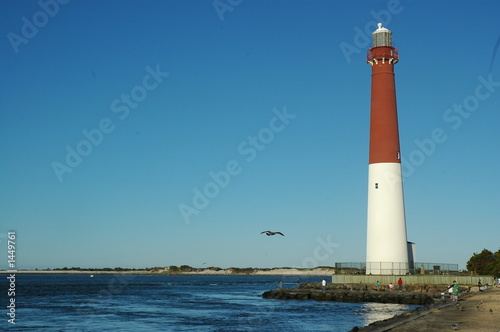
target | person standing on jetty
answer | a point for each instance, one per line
(400, 283)
(455, 291)
(323, 284)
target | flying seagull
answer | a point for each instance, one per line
(269, 233)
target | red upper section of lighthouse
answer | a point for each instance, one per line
(384, 133)
(381, 53)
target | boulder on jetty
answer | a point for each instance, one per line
(346, 295)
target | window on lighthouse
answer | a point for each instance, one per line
(376, 185)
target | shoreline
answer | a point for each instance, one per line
(291, 272)
(475, 312)
(471, 313)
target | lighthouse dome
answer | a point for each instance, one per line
(382, 36)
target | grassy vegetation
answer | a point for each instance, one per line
(173, 269)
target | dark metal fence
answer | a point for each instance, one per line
(397, 268)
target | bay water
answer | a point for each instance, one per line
(66, 302)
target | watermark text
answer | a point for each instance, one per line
(249, 149)
(11, 262)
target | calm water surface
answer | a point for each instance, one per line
(181, 303)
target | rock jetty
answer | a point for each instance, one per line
(348, 294)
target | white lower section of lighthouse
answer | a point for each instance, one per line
(386, 246)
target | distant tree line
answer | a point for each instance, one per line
(485, 263)
(173, 269)
(187, 268)
(98, 269)
(234, 270)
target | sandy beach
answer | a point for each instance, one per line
(476, 312)
(320, 272)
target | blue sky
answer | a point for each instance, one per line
(271, 98)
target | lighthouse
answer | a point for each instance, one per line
(386, 245)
